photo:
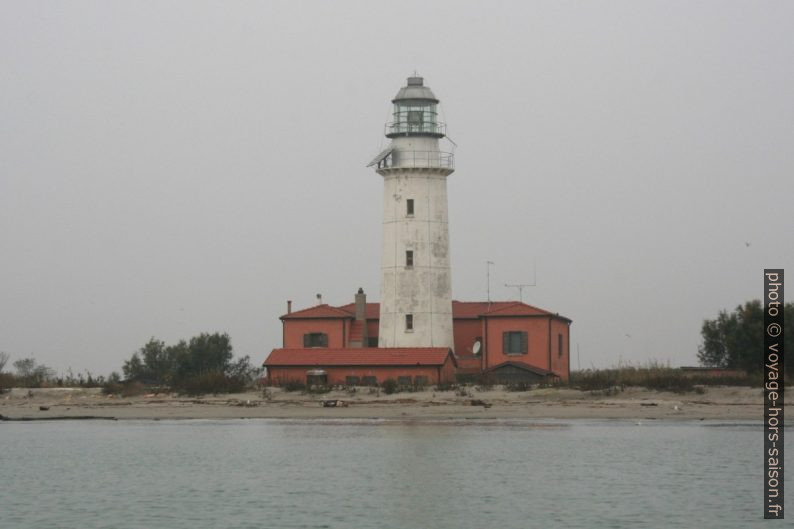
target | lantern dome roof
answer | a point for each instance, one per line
(415, 89)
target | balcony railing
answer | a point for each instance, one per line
(397, 128)
(422, 159)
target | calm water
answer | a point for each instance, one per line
(370, 474)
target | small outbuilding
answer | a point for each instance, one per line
(511, 373)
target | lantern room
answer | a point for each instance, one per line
(415, 112)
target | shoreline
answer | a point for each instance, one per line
(717, 403)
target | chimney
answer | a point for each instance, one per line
(289, 306)
(319, 299)
(361, 305)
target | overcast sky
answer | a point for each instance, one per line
(170, 168)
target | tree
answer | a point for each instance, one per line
(205, 353)
(736, 339)
(32, 374)
(3, 360)
(203, 363)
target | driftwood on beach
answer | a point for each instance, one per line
(59, 418)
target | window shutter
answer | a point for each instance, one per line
(505, 342)
(524, 343)
(323, 340)
(307, 340)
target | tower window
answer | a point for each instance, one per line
(409, 206)
(514, 343)
(409, 258)
(559, 344)
(409, 322)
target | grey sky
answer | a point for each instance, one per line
(168, 168)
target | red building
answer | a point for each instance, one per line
(489, 337)
(362, 366)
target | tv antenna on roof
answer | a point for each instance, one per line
(521, 286)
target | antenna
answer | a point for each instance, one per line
(521, 286)
(488, 265)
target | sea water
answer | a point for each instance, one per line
(382, 474)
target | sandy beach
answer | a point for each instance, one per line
(727, 403)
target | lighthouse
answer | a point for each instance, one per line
(416, 284)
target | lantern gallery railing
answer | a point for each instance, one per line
(394, 159)
(397, 128)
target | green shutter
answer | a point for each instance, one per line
(307, 340)
(505, 342)
(323, 340)
(524, 343)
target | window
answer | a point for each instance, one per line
(514, 342)
(372, 341)
(315, 339)
(409, 257)
(404, 381)
(420, 381)
(409, 322)
(559, 344)
(351, 381)
(369, 381)
(409, 204)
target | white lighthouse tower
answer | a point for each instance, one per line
(416, 286)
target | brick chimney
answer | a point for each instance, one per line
(358, 329)
(289, 306)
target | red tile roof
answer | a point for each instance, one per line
(318, 311)
(365, 356)
(515, 308)
(460, 310)
(371, 312)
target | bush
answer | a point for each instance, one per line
(293, 385)
(7, 381)
(202, 365)
(210, 382)
(390, 386)
(655, 376)
(31, 374)
(518, 386)
(467, 378)
(131, 388)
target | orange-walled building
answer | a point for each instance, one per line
(487, 336)
(419, 366)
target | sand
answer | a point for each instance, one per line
(724, 403)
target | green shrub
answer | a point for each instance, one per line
(7, 381)
(518, 386)
(317, 389)
(209, 382)
(293, 385)
(203, 364)
(657, 377)
(467, 378)
(390, 386)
